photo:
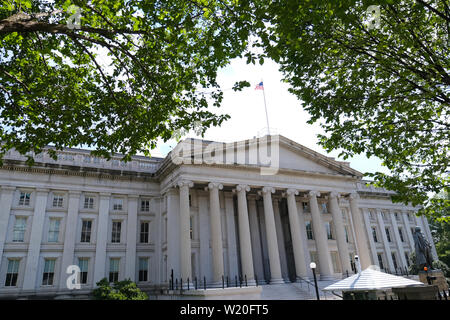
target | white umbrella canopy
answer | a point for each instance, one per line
(371, 279)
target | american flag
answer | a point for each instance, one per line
(259, 86)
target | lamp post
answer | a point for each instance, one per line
(312, 265)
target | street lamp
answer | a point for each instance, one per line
(312, 265)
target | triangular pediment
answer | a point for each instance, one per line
(274, 151)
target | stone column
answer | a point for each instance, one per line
(340, 232)
(185, 239)
(244, 234)
(69, 236)
(231, 236)
(272, 243)
(216, 232)
(256, 239)
(360, 234)
(408, 230)
(6, 198)
(399, 242)
(304, 238)
(297, 240)
(372, 246)
(280, 239)
(173, 234)
(387, 248)
(323, 253)
(34, 246)
(102, 238)
(130, 257)
(204, 232)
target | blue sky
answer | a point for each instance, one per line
(248, 117)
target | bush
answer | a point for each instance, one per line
(121, 290)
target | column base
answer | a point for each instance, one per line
(262, 281)
(250, 283)
(277, 281)
(217, 284)
(185, 286)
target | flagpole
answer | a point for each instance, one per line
(265, 107)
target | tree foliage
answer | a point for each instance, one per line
(129, 73)
(380, 90)
(121, 290)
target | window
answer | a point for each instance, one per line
(190, 201)
(144, 232)
(118, 204)
(394, 261)
(346, 233)
(87, 159)
(410, 217)
(97, 160)
(305, 206)
(371, 215)
(143, 269)
(397, 217)
(24, 199)
(19, 229)
(388, 235)
(89, 202)
(380, 261)
(12, 273)
(191, 231)
(86, 230)
(400, 232)
(383, 214)
(324, 207)
(145, 205)
(116, 226)
(407, 258)
(374, 234)
(309, 232)
(53, 230)
(114, 269)
(58, 201)
(49, 271)
(328, 228)
(83, 263)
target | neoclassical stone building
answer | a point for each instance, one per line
(207, 210)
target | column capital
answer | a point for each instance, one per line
(42, 191)
(269, 190)
(291, 191)
(74, 193)
(184, 183)
(214, 185)
(314, 193)
(354, 196)
(334, 194)
(242, 187)
(105, 195)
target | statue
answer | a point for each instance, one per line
(423, 250)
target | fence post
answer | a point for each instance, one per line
(204, 282)
(245, 277)
(235, 278)
(196, 285)
(188, 283)
(347, 273)
(256, 279)
(240, 281)
(223, 282)
(176, 284)
(171, 278)
(227, 282)
(181, 284)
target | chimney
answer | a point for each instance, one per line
(357, 264)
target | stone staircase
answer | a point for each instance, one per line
(297, 291)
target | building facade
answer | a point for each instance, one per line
(195, 218)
